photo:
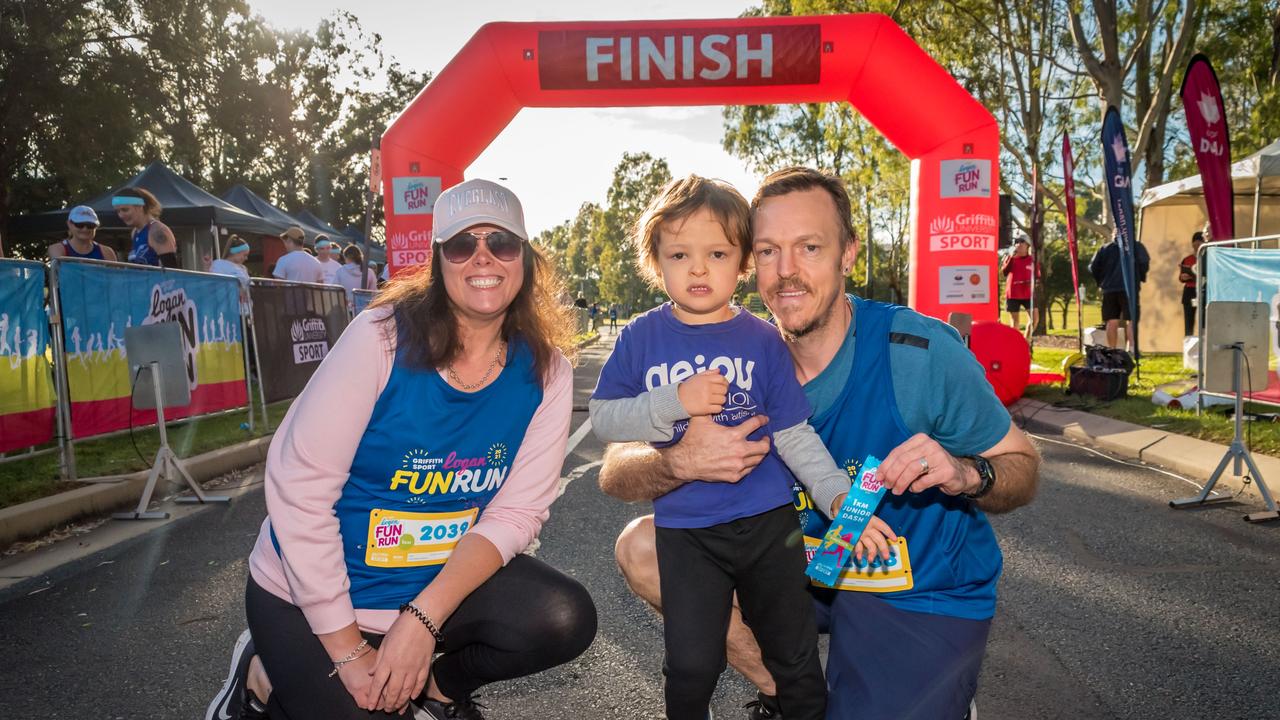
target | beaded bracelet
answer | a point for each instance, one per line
(351, 657)
(424, 618)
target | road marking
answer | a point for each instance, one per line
(577, 436)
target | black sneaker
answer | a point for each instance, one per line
(763, 707)
(235, 701)
(465, 709)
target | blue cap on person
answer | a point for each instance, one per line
(83, 214)
(476, 202)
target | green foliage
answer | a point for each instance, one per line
(593, 251)
(1042, 67)
(89, 92)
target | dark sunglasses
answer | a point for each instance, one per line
(85, 226)
(504, 246)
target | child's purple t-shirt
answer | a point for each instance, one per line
(658, 349)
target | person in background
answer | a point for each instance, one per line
(1188, 277)
(324, 254)
(1017, 290)
(232, 263)
(613, 318)
(82, 226)
(152, 241)
(385, 275)
(1107, 271)
(297, 265)
(595, 315)
(348, 275)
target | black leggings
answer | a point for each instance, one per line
(762, 557)
(525, 619)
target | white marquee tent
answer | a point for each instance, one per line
(1170, 213)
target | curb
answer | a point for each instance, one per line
(1191, 457)
(34, 518)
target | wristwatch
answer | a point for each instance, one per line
(986, 472)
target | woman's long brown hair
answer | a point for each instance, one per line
(426, 330)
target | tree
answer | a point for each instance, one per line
(636, 180)
(90, 91)
(1151, 42)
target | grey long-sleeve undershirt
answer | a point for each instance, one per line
(649, 416)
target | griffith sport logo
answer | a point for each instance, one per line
(965, 231)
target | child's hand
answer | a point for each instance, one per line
(704, 393)
(875, 540)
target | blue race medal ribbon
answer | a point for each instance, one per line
(860, 504)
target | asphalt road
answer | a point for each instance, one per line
(1111, 606)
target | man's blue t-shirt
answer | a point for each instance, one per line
(657, 349)
(940, 390)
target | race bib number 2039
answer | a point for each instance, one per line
(408, 539)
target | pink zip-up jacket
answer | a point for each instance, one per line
(310, 456)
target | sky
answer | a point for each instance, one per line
(554, 159)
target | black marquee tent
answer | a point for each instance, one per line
(306, 218)
(184, 205)
(249, 201)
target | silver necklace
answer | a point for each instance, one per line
(502, 346)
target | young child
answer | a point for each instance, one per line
(698, 356)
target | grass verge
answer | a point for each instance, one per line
(1215, 425)
(32, 478)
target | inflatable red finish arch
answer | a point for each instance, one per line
(952, 140)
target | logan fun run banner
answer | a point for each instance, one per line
(100, 301)
(27, 398)
(295, 326)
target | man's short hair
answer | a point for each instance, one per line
(1197, 236)
(678, 200)
(799, 179)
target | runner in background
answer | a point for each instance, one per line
(349, 274)
(232, 263)
(297, 265)
(152, 242)
(324, 254)
(82, 227)
(1189, 278)
(1017, 268)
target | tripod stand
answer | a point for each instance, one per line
(1238, 453)
(167, 464)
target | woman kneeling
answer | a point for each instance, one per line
(399, 537)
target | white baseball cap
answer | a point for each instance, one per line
(83, 214)
(476, 202)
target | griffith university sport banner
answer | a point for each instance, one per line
(1211, 143)
(27, 398)
(295, 326)
(99, 301)
(1115, 152)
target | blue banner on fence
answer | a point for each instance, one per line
(1239, 275)
(27, 399)
(360, 300)
(100, 300)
